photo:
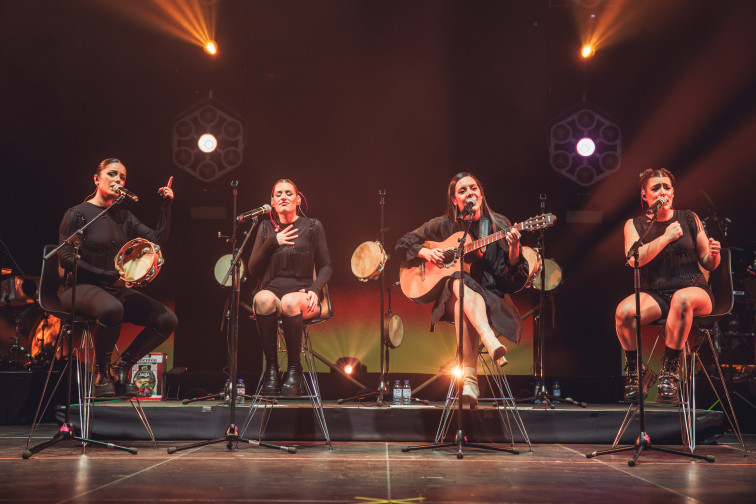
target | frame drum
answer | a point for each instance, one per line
(552, 276)
(368, 261)
(393, 330)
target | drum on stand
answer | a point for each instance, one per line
(368, 261)
(393, 330)
(552, 273)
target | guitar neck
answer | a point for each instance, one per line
(488, 240)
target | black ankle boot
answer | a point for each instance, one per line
(123, 386)
(669, 381)
(103, 386)
(147, 339)
(104, 339)
(631, 382)
(293, 327)
(267, 326)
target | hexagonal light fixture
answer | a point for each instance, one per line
(227, 128)
(569, 141)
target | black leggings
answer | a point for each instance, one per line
(125, 305)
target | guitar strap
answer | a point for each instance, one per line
(484, 229)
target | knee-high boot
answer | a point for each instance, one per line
(104, 338)
(293, 328)
(267, 326)
(145, 341)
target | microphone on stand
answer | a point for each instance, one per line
(126, 193)
(469, 204)
(656, 206)
(253, 213)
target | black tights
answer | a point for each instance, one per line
(126, 305)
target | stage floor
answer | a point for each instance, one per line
(377, 472)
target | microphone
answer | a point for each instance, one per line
(656, 206)
(469, 204)
(253, 213)
(125, 192)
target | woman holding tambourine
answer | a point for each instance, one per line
(102, 291)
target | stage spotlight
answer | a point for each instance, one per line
(207, 143)
(570, 151)
(208, 140)
(211, 47)
(585, 147)
(451, 368)
(587, 51)
(351, 365)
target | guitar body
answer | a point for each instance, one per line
(422, 281)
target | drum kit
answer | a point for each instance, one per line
(28, 334)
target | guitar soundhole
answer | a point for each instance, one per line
(449, 257)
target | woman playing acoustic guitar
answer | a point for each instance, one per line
(496, 270)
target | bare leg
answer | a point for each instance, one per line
(295, 303)
(475, 315)
(625, 318)
(266, 302)
(686, 303)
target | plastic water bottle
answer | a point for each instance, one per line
(240, 391)
(537, 391)
(556, 392)
(227, 390)
(397, 392)
(406, 393)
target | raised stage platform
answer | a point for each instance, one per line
(294, 420)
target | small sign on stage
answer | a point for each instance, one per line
(147, 376)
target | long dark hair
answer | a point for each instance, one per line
(498, 221)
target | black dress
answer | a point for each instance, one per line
(676, 265)
(289, 268)
(491, 276)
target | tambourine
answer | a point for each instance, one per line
(368, 261)
(140, 260)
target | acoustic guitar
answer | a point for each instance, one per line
(421, 280)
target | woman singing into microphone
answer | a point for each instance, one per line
(100, 292)
(500, 269)
(672, 284)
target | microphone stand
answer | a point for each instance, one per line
(643, 441)
(461, 438)
(232, 437)
(67, 431)
(382, 389)
(539, 336)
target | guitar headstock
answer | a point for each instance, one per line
(538, 222)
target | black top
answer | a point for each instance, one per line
(288, 268)
(676, 265)
(103, 240)
(491, 276)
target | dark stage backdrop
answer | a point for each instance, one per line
(349, 97)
